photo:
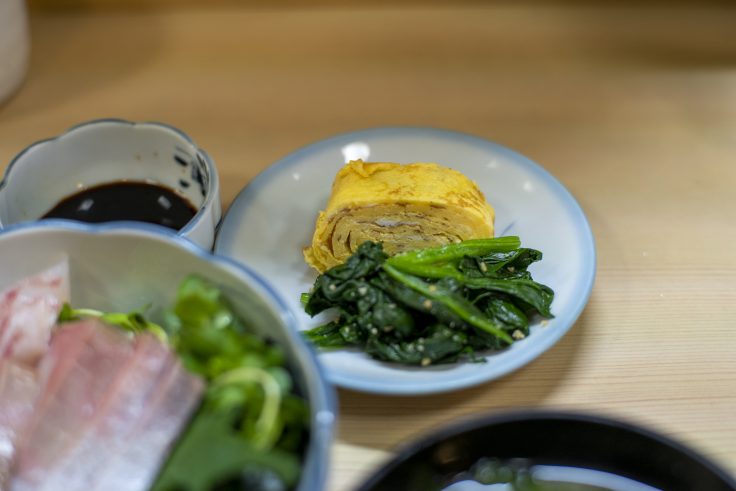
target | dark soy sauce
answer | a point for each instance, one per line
(137, 201)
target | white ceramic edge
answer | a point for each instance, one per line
(316, 468)
(15, 47)
(241, 201)
(201, 229)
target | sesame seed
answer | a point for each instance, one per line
(374, 331)
(511, 269)
(433, 288)
(427, 304)
(426, 361)
(544, 322)
(388, 328)
(332, 287)
(362, 290)
(517, 334)
(483, 267)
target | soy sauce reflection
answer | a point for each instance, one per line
(124, 200)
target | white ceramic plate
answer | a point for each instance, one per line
(273, 218)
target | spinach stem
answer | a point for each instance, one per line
(450, 252)
(432, 271)
(463, 308)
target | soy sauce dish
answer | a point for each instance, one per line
(114, 170)
(548, 451)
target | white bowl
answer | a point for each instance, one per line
(110, 150)
(123, 267)
(15, 43)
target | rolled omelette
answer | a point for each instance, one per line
(403, 206)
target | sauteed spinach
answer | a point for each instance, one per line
(430, 305)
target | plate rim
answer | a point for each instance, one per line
(246, 194)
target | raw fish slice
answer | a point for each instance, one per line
(82, 362)
(128, 398)
(137, 465)
(18, 391)
(119, 405)
(28, 311)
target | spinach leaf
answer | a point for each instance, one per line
(345, 282)
(509, 264)
(504, 312)
(327, 336)
(454, 302)
(530, 293)
(440, 344)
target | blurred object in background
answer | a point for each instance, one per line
(14, 46)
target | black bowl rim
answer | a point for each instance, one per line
(407, 451)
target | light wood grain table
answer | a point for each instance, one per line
(633, 109)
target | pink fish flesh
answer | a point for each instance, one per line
(110, 410)
(18, 391)
(28, 311)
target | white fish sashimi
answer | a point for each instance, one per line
(108, 402)
(28, 311)
(146, 448)
(18, 392)
(76, 373)
(129, 397)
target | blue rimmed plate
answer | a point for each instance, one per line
(273, 218)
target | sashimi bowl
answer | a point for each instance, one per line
(132, 359)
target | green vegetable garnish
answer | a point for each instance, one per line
(250, 426)
(198, 464)
(430, 305)
(133, 322)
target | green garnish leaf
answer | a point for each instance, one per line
(134, 322)
(251, 426)
(212, 452)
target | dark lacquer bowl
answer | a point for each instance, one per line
(634, 457)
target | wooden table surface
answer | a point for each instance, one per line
(633, 109)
